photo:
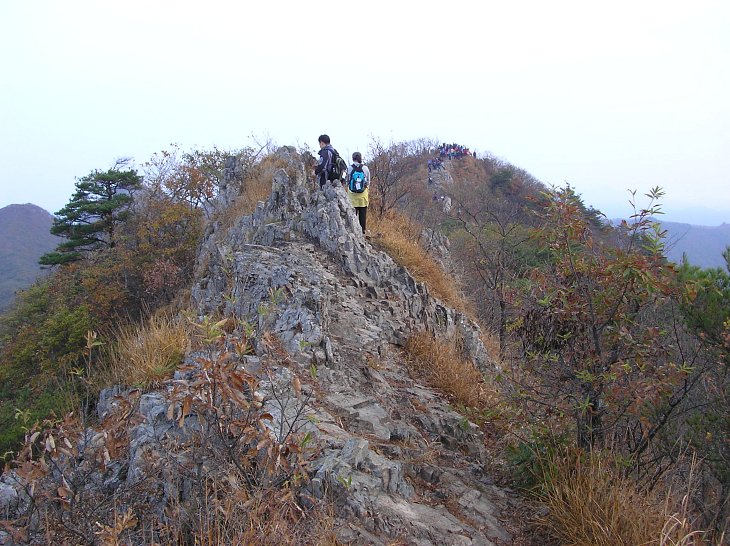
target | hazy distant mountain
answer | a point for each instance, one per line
(703, 245)
(697, 216)
(24, 237)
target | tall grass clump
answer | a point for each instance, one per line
(591, 501)
(443, 366)
(399, 236)
(146, 354)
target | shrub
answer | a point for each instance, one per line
(231, 474)
(42, 340)
(531, 459)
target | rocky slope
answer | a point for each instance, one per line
(413, 466)
(330, 314)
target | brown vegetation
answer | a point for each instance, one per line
(227, 480)
(599, 357)
(399, 236)
(444, 367)
(591, 501)
(254, 187)
(145, 354)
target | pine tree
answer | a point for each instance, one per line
(90, 219)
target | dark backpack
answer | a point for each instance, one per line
(339, 167)
(357, 179)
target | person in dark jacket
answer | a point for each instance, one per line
(326, 157)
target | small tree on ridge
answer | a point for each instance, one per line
(90, 219)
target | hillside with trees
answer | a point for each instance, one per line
(24, 237)
(313, 385)
(703, 246)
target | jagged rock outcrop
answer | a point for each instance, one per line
(306, 244)
(437, 245)
(439, 180)
(400, 462)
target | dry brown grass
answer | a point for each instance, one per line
(591, 502)
(270, 518)
(441, 363)
(145, 354)
(255, 187)
(399, 236)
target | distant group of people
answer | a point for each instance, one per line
(453, 151)
(447, 151)
(327, 170)
(435, 164)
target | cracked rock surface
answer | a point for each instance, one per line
(400, 464)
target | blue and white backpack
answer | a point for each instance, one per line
(357, 179)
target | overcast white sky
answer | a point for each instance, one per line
(607, 96)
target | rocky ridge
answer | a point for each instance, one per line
(412, 466)
(399, 463)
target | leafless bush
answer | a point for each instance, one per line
(227, 467)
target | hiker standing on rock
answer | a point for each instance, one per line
(326, 158)
(358, 176)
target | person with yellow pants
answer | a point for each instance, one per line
(358, 187)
